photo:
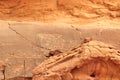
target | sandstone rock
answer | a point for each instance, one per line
(14, 50)
(62, 11)
(20, 78)
(93, 60)
(24, 45)
(53, 52)
(2, 70)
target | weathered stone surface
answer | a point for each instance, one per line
(94, 12)
(28, 43)
(90, 61)
(24, 45)
(2, 70)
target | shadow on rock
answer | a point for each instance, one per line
(20, 78)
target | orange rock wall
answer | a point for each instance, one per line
(62, 11)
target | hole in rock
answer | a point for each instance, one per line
(92, 75)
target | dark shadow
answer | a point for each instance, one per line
(20, 78)
(92, 75)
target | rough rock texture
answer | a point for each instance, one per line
(24, 45)
(20, 78)
(23, 52)
(62, 11)
(2, 70)
(90, 61)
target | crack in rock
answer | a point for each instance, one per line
(23, 37)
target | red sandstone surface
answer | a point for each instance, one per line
(32, 31)
(90, 61)
(87, 12)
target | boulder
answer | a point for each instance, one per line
(93, 60)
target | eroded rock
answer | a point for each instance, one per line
(2, 70)
(20, 78)
(61, 11)
(53, 52)
(93, 60)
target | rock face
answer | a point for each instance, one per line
(24, 44)
(2, 70)
(23, 54)
(62, 11)
(93, 60)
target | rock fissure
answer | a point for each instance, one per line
(20, 35)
